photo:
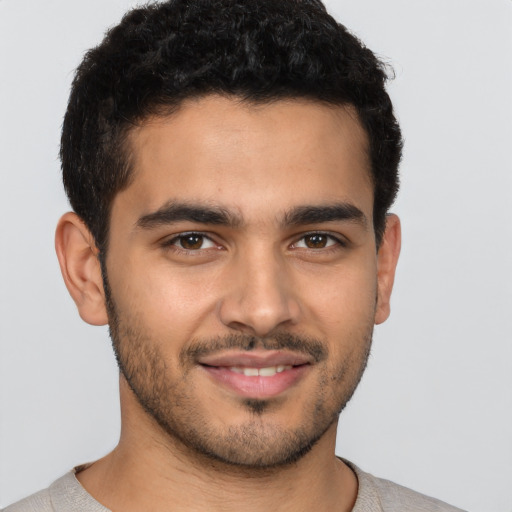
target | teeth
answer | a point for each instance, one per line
(269, 371)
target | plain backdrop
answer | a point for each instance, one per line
(434, 410)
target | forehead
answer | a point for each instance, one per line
(257, 159)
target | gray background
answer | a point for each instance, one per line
(434, 410)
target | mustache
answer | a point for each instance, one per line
(279, 341)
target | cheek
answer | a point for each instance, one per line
(165, 299)
(343, 298)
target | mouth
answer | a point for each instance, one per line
(257, 375)
(268, 371)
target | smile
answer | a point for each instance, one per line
(256, 375)
(269, 371)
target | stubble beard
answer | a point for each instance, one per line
(255, 445)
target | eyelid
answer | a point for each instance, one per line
(171, 241)
(337, 238)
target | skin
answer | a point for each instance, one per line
(258, 277)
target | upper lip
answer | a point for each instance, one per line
(256, 359)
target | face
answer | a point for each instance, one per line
(242, 275)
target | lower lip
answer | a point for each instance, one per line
(257, 387)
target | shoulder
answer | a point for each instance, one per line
(377, 494)
(64, 495)
(38, 502)
(393, 495)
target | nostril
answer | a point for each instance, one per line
(242, 328)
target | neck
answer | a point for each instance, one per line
(150, 471)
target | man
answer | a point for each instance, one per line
(230, 165)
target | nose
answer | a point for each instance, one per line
(259, 298)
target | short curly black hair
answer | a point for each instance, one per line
(257, 50)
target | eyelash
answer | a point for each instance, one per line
(338, 241)
(173, 242)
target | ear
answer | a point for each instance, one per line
(80, 267)
(387, 259)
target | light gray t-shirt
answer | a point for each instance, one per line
(374, 495)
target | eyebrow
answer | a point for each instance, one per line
(313, 214)
(174, 211)
(177, 212)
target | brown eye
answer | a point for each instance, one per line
(316, 241)
(191, 242)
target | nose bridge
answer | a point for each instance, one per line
(261, 298)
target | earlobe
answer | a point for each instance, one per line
(387, 260)
(80, 267)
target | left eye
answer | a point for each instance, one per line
(316, 241)
(193, 242)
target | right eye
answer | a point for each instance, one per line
(191, 242)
